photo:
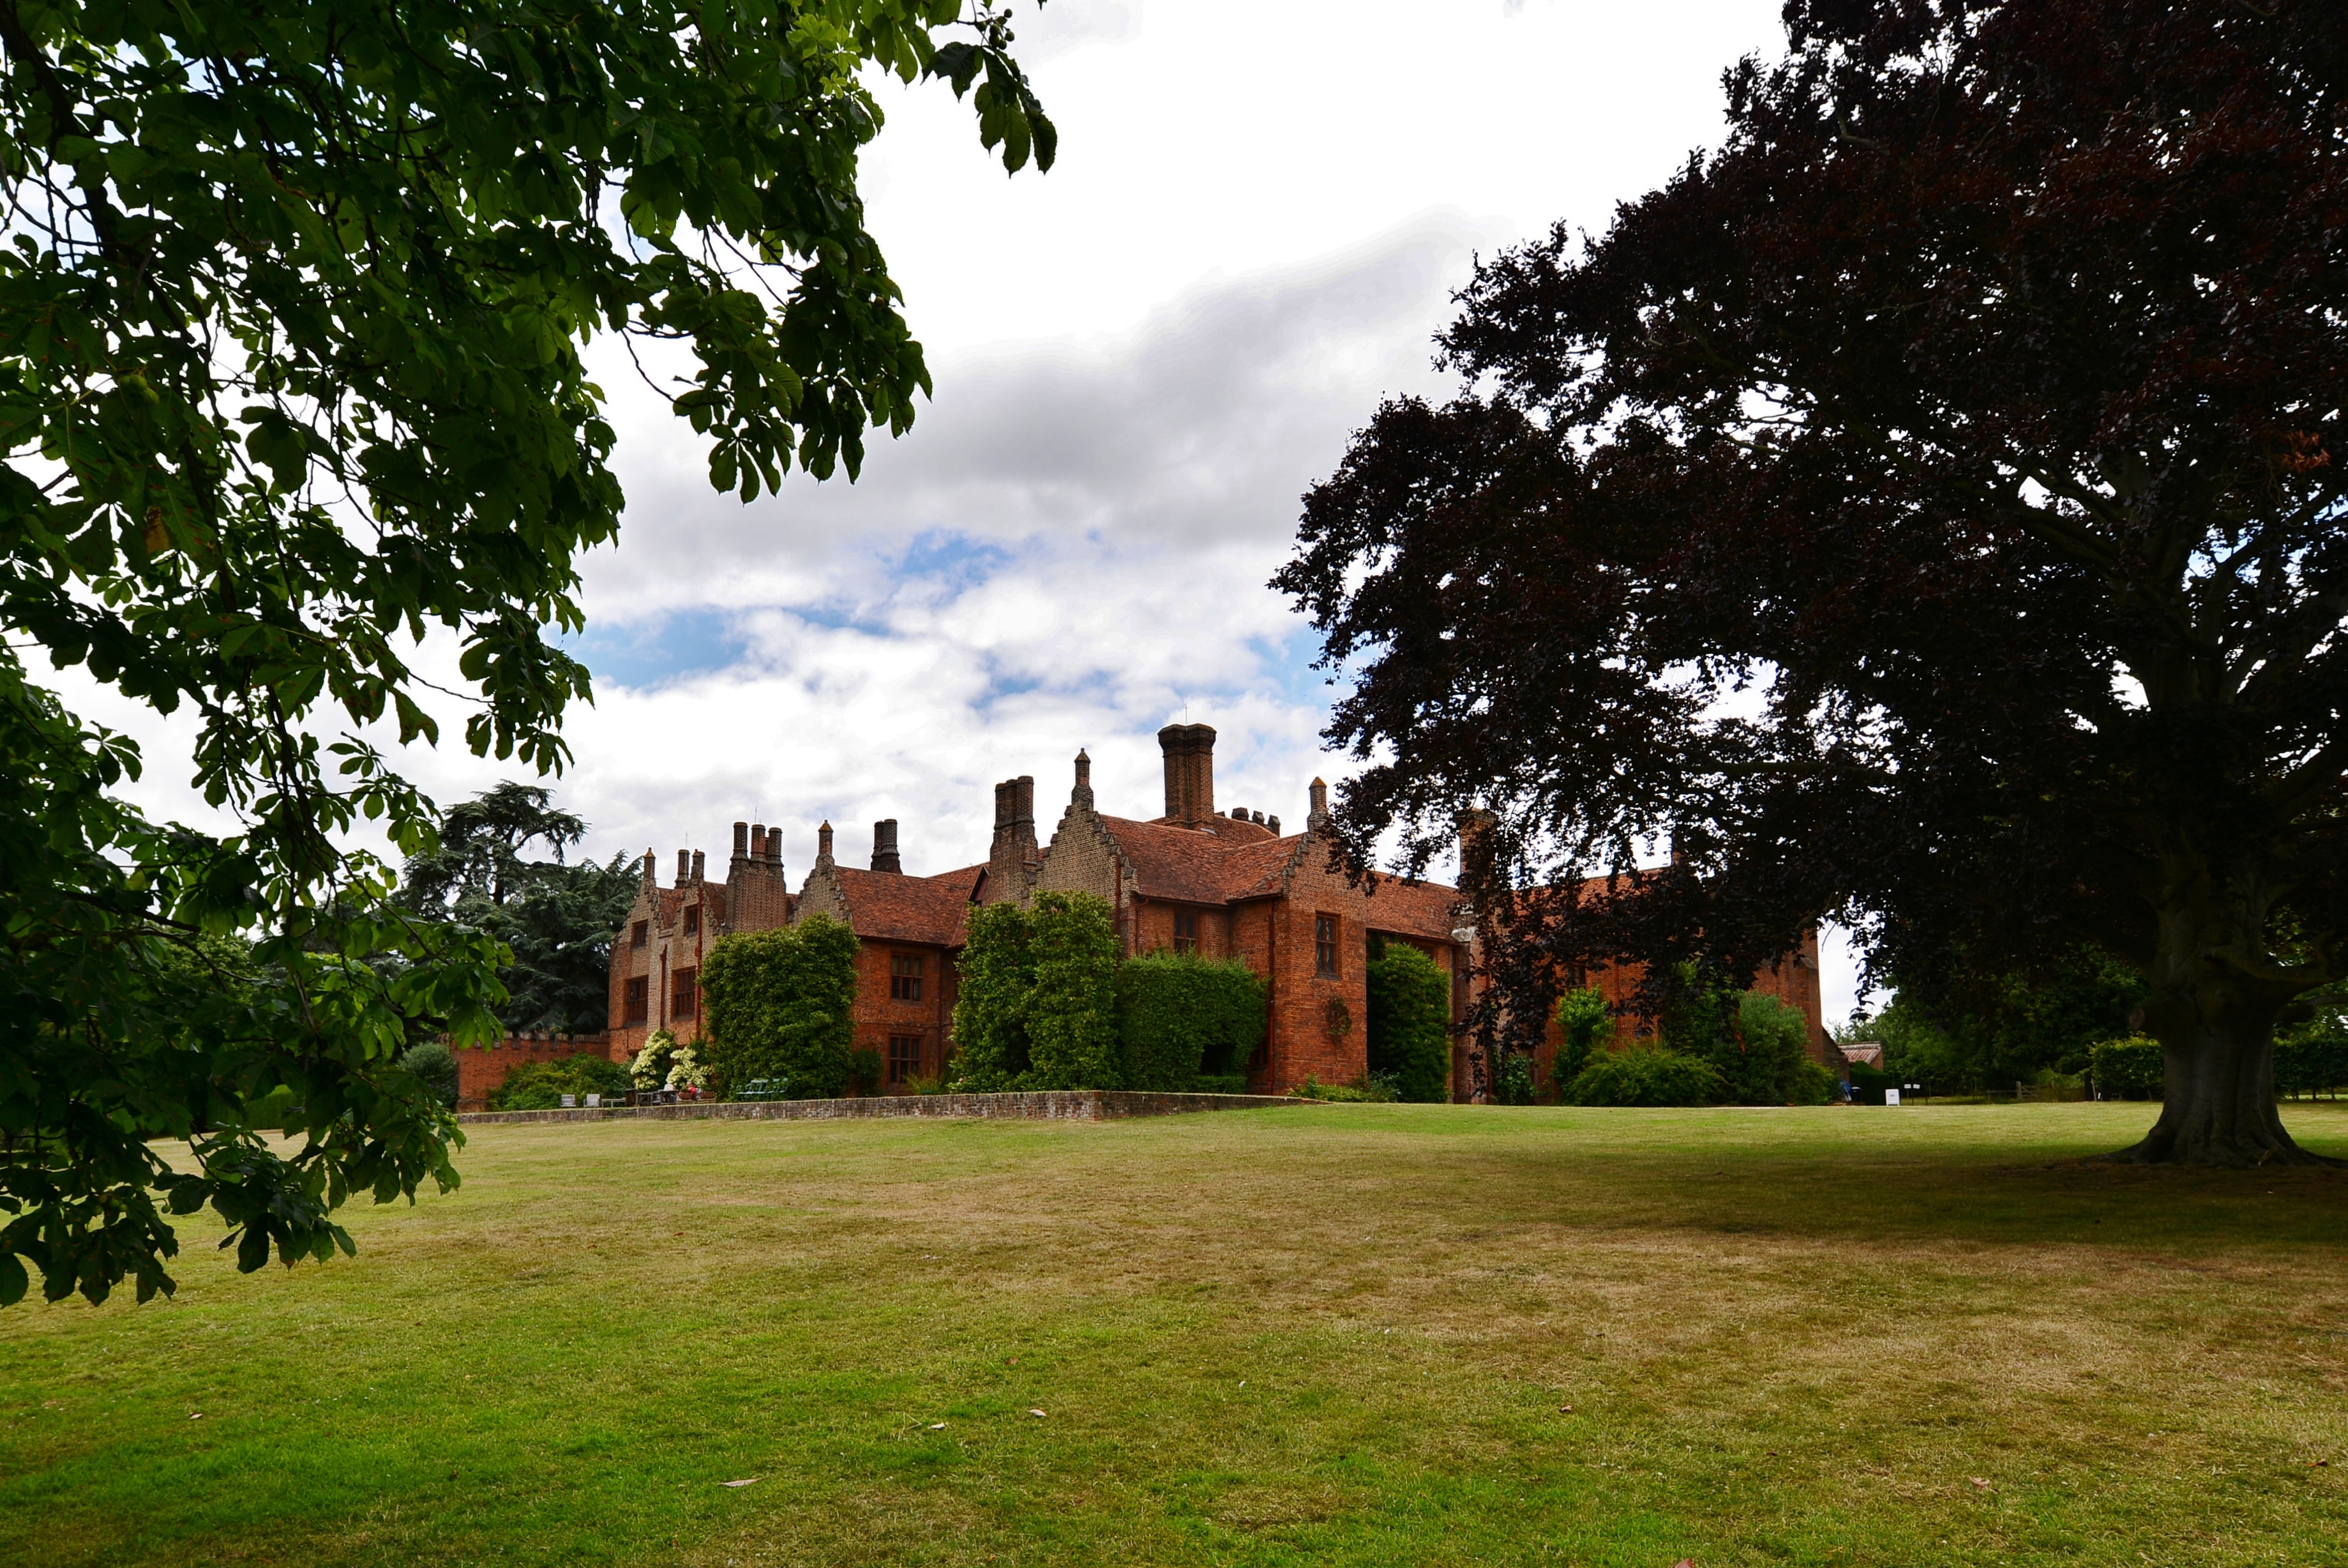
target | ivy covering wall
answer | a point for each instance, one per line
(1037, 1007)
(780, 1005)
(1410, 1023)
(1180, 1019)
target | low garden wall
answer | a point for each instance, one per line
(1054, 1104)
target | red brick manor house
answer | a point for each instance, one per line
(1191, 880)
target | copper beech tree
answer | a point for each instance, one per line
(1925, 509)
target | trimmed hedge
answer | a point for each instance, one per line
(432, 1065)
(780, 1005)
(1410, 1023)
(540, 1086)
(1182, 1020)
(2303, 1065)
(1642, 1076)
(997, 974)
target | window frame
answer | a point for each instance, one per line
(1186, 931)
(684, 994)
(902, 1069)
(637, 1000)
(641, 936)
(691, 919)
(906, 972)
(1328, 946)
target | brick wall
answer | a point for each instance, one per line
(481, 1068)
(879, 1014)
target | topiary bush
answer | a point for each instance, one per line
(434, 1067)
(540, 1086)
(1647, 1077)
(1181, 1020)
(1410, 1023)
(781, 1004)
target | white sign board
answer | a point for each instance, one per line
(1891, 1097)
(570, 1102)
(594, 1100)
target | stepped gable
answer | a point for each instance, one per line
(889, 906)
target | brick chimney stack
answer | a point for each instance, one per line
(652, 871)
(1013, 852)
(1318, 816)
(1190, 753)
(774, 848)
(884, 846)
(684, 867)
(697, 865)
(1083, 793)
(823, 846)
(743, 844)
(758, 839)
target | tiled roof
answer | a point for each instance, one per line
(893, 907)
(1413, 908)
(963, 880)
(1187, 865)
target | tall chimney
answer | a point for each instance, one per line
(742, 843)
(1318, 816)
(1189, 754)
(697, 865)
(884, 845)
(823, 846)
(684, 867)
(1013, 850)
(757, 840)
(651, 869)
(1082, 795)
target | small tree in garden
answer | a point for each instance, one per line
(1410, 1023)
(1071, 1012)
(994, 976)
(781, 1004)
(1180, 1019)
(649, 1070)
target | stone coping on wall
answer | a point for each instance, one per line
(1053, 1105)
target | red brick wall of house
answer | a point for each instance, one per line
(481, 1068)
(1307, 1039)
(878, 1015)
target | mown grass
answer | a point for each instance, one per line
(1334, 1335)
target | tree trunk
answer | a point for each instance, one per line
(2216, 992)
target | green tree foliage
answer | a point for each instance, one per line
(1586, 1025)
(434, 1066)
(1071, 1012)
(2130, 1066)
(1644, 1074)
(994, 977)
(1519, 1079)
(1757, 1045)
(1181, 1017)
(1410, 1023)
(864, 1069)
(1995, 1030)
(540, 1086)
(557, 919)
(780, 1005)
(291, 320)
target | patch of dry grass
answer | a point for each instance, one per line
(1327, 1334)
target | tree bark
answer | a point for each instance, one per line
(2216, 994)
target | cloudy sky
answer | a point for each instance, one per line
(1142, 359)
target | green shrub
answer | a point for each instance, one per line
(1866, 1084)
(2130, 1066)
(1367, 1089)
(1760, 1048)
(1516, 1081)
(1647, 1077)
(994, 979)
(781, 1003)
(1585, 1025)
(1181, 1018)
(432, 1065)
(1410, 1021)
(864, 1069)
(540, 1086)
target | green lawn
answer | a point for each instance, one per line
(1335, 1335)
